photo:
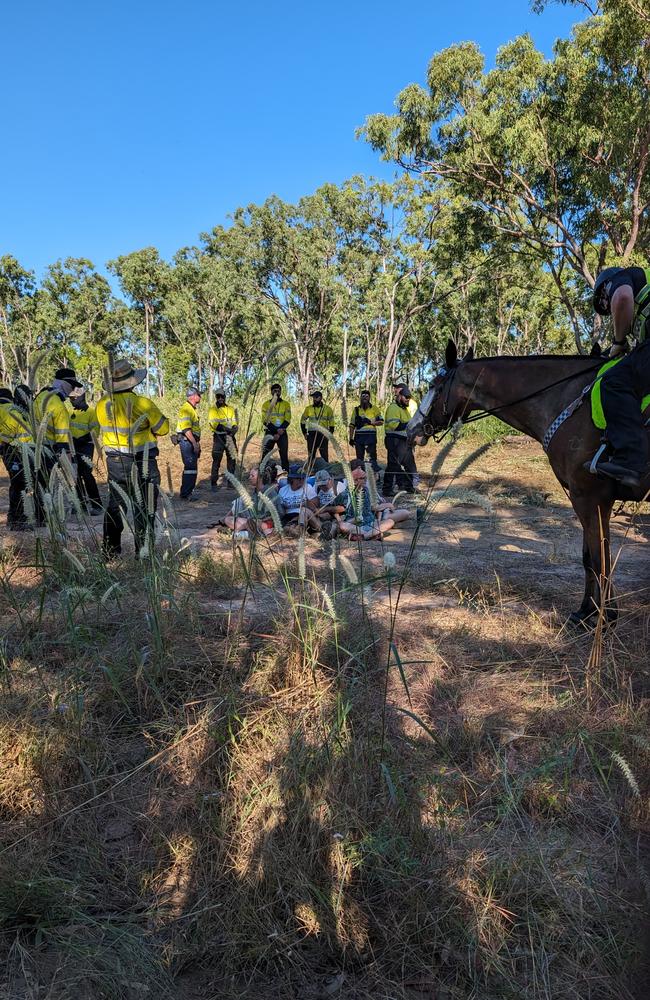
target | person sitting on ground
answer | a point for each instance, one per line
(360, 520)
(250, 518)
(329, 510)
(297, 499)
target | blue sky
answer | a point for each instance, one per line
(140, 123)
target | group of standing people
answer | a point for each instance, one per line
(317, 425)
(128, 426)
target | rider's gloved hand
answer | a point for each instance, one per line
(618, 348)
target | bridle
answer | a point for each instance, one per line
(425, 407)
(447, 381)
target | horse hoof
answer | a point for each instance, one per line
(587, 620)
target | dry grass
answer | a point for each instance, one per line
(391, 788)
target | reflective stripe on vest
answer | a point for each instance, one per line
(597, 412)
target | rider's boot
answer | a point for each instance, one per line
(623, 475)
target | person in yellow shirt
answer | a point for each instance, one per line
(222, 420)
(129, 428)
(49, 411)
(84, 428)
(401, 470)
(188, 434)
(14, 434)
(365, 420)
(276, 417)
(318, 413)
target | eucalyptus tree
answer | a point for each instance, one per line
(285, 256)
(144, 279)
(554, 153)
(19, 335)
(72, 303)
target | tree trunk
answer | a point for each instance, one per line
(146, 345)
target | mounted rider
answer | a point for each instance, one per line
(624, 293)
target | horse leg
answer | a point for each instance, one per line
(594, 516)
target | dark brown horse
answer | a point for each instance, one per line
(529, 394)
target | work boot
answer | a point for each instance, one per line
(623, 475)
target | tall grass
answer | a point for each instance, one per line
(254, 772)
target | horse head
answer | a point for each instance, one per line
(444, 403)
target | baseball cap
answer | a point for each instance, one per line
(296, 471)
(322, 476)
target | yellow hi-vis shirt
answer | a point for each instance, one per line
(129, 423)
(323, 415)
(50, 409)
(397, 417)
(14, 429)
(276, 413)
(83, 424)
(371, 412)
(188, 420)
(222, 419)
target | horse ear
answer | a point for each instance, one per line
(469, 355)
(451, 354)
(596, 351)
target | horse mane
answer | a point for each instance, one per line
(532, 357)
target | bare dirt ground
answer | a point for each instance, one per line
(520, 533)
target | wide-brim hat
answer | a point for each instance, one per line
(124, 376)
(296, 472)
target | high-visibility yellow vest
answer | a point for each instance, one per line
(276, 412)
(323, 415)
(371, 412)
(188, 420)
(83, 424)
(397, 417)
(14, 428)
(129, 423)
(222, 418)
(597, 412)
(50, 409)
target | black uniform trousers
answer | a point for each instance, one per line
(87, 489)
(283, 448)
(317, 442)
(143, 496)
(13, 462)
(190, 467)
(219, 447)
(400, 467)
(42, 474)
(622, 389)
(366, 443)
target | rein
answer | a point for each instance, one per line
(504, 406)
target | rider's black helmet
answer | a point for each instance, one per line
(600, 300)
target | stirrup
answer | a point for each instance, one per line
(593, 465)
